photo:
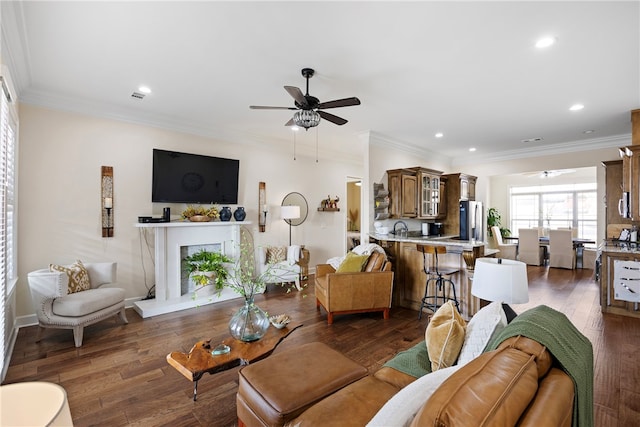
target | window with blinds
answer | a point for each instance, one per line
(8, 265)
(555, 206)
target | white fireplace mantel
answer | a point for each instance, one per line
(170, 237)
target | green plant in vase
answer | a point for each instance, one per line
(205, 266)
(494, 219)
(250, 323)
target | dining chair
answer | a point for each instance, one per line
(529, 250)
(507, 250)
(561, 251)
(574, 231)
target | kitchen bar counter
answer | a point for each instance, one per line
(449, 241)
(409, 277)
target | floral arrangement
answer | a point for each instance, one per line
(212, 212)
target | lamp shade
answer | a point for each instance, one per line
(34, 404)
(290, 212)
(502, 280)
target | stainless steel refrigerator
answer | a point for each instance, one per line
(471, 220)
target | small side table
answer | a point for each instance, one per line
(304, 267)
(199, 360)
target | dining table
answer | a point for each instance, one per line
(578, 245)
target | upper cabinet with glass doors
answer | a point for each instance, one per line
(430, 197)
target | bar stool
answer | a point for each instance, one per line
(438, 289)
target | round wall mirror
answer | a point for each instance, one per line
(296, 199)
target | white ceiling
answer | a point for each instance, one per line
(467, 69)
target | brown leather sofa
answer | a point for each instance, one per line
(365, 291)
(517, 384)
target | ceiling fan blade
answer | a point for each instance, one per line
(264, 107)
(346, 102)
(290, 122)
(296, 93)
(333, 119)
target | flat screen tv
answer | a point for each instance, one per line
(193, 178)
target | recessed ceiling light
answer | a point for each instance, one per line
(472, 149)
(576, 107)
(545, 42)
(589, 131)
(439, 135)
(144, 89)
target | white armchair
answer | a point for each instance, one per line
(289, 270)
(56, 308)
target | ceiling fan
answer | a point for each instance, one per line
(549, 173)
(309, 108)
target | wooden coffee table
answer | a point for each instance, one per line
(199, 360)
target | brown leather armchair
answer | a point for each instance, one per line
(365, 291)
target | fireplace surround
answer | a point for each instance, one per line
(172, 240)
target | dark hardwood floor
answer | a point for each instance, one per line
(120, 376)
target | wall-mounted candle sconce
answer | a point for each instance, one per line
(107, 201)
(263, 208)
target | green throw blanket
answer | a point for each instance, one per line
(414, 361)
(570, 348)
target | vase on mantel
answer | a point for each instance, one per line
(240, 214)
(225, 213)
(250, 323)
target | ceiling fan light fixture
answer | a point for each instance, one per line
(306, 118)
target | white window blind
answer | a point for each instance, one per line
(8, 265)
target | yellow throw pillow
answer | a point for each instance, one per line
(445, 336)
(78, 276)
(276, 254)
(352, 263)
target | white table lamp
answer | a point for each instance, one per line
(504, 280)
(34, 404)
(288, 213)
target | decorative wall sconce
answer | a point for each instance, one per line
(263, 208)
(107, 201)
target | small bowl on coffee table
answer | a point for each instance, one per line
(279, 321)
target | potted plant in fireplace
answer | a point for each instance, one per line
(206, 267)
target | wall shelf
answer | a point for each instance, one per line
(328, 209)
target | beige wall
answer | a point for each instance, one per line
(59, 193)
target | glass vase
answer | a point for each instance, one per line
(250, 323)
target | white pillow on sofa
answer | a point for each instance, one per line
(489, 320)
(404, 405)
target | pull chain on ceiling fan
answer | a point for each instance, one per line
(309, 108)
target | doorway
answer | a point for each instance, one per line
(353, 226)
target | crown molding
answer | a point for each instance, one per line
(563, 148)
(138, 117)
(355, 157)
(384, 141)
(15, 46)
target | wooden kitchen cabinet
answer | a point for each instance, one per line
(608, 301)
(442, 210)
(613, 194)
(631, 167)
(415, 193)
(429, 191)
(403, 193)
(460, 186)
